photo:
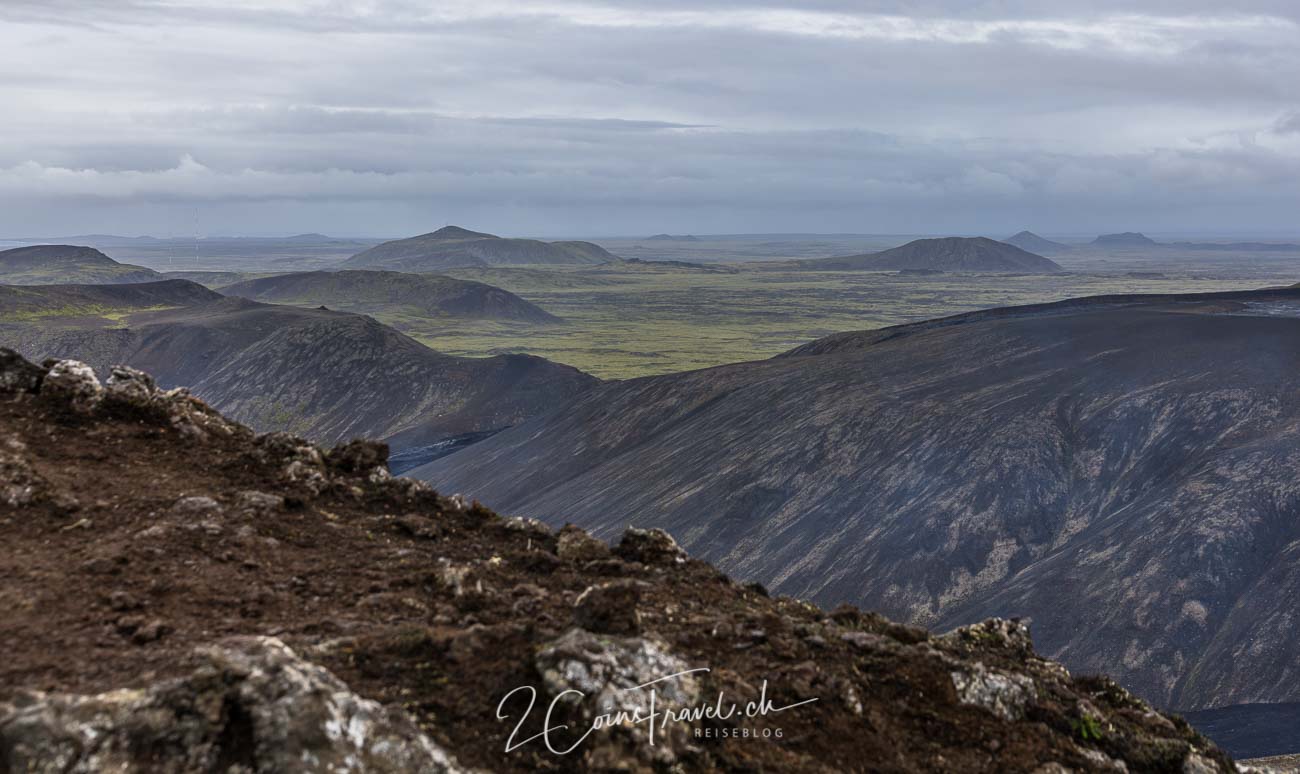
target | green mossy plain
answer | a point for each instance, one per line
(627, 323)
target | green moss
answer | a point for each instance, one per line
(1088, 728)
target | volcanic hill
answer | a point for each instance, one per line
(31, 302)
(370, 292)
(272, 606)
(1031, 242)
(67, 265)
(945, 254)
(1126, 239)
(455, 247)
(324, 374)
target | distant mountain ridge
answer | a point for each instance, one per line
(67, 265)
(455, 247)
(943, 254)
(425, 295)
(1119, 470)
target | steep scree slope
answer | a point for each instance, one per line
(1121, 471)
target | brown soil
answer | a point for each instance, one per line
(354, 578)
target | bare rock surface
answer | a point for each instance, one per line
(253, 704)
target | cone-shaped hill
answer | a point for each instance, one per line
(1031, 242)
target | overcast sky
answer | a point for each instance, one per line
(393, 117)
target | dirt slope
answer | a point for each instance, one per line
(138, 525)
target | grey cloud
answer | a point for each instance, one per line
(730, 116)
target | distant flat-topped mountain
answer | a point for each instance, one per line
(1121, 471)
(673, 238)
(1031, 242)
(369, 292)
(322, 374)
(67, 265)
(946, 254)
(453, 247)
(1126, 239)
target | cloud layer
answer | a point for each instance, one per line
(382, 117)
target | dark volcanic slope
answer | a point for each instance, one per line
(453, 247)
(67, 264)
(1121, 471)
(324, 374)
(420, 295)
(139, 527)
(947, 254)
(22, 302)
(1252, 730)
(1031, 242)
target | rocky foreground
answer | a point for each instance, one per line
(180, 594)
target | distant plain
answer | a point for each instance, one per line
(726, 299)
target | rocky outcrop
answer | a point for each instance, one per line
(19, 484)
(75, 384)
(253, 705)
(613, 679)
